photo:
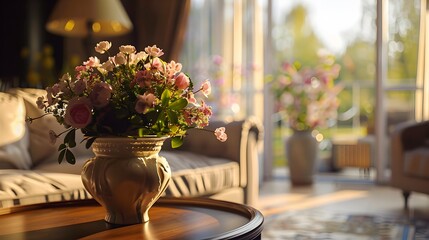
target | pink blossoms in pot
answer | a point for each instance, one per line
(133, 94)
(308, 97)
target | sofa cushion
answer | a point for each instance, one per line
(23, 187)
(41, 148)
(197, 175)
(14, 139)
(416, 162)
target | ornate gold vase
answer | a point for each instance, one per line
(126, 177)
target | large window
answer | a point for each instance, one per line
(225, 43)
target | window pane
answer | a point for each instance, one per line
(404, 17)
(345, 28)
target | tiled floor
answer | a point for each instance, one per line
(338, 193)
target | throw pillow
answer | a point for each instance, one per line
(14, 141)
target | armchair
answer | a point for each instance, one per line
(410, 158)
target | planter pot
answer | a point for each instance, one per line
(126, 177)
(301, 152)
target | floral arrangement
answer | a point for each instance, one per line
(308, 96)
(132, 94)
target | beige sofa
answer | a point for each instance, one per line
(203, 166)
(410, 158)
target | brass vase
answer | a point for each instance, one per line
(126, 177)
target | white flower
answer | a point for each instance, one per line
(127, 49)
(103, 46)
(120, 59)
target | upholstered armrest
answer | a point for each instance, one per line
(242, 146)
(406, 137)
(412, 134)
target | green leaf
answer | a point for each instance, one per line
(179, 104)
(61, 155)
(70, 157)
(165, 97)
(176, 142)
(89, 142)
(70, 138)
(173, 117)
(62, 147)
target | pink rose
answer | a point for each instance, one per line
(220, 134)
(182, 81)
(100, 95)
(78, 112)
(154, 51)
(144, 102)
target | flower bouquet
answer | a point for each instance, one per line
(132, 94)
(308, 96)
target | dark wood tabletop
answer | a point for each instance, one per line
(170, 218)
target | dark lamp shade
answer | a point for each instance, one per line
(78, 18)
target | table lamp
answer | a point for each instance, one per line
(89, 18)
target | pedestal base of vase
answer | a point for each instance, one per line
(126, 176)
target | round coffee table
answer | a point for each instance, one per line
(170, 218)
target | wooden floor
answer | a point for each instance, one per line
(338, 193)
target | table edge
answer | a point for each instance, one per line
(251, 230)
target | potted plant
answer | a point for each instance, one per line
(126, 107)
(307, 99)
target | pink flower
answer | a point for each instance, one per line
(205, 109)
(217, 60)
(127, 49)
(144, 102)
(103, 46)
(92, 62)
(79, 86)
(143, 79)
(220, 134)
(49, 96)
(206, 88)
(191, 98)
(80, 68)
(157, 64)
(182, 81)
(173, 68)
(154, 51)
(40, 102)
(100, 94)
(78, 112)
(52, 137)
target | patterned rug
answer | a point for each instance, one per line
(323, 225)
